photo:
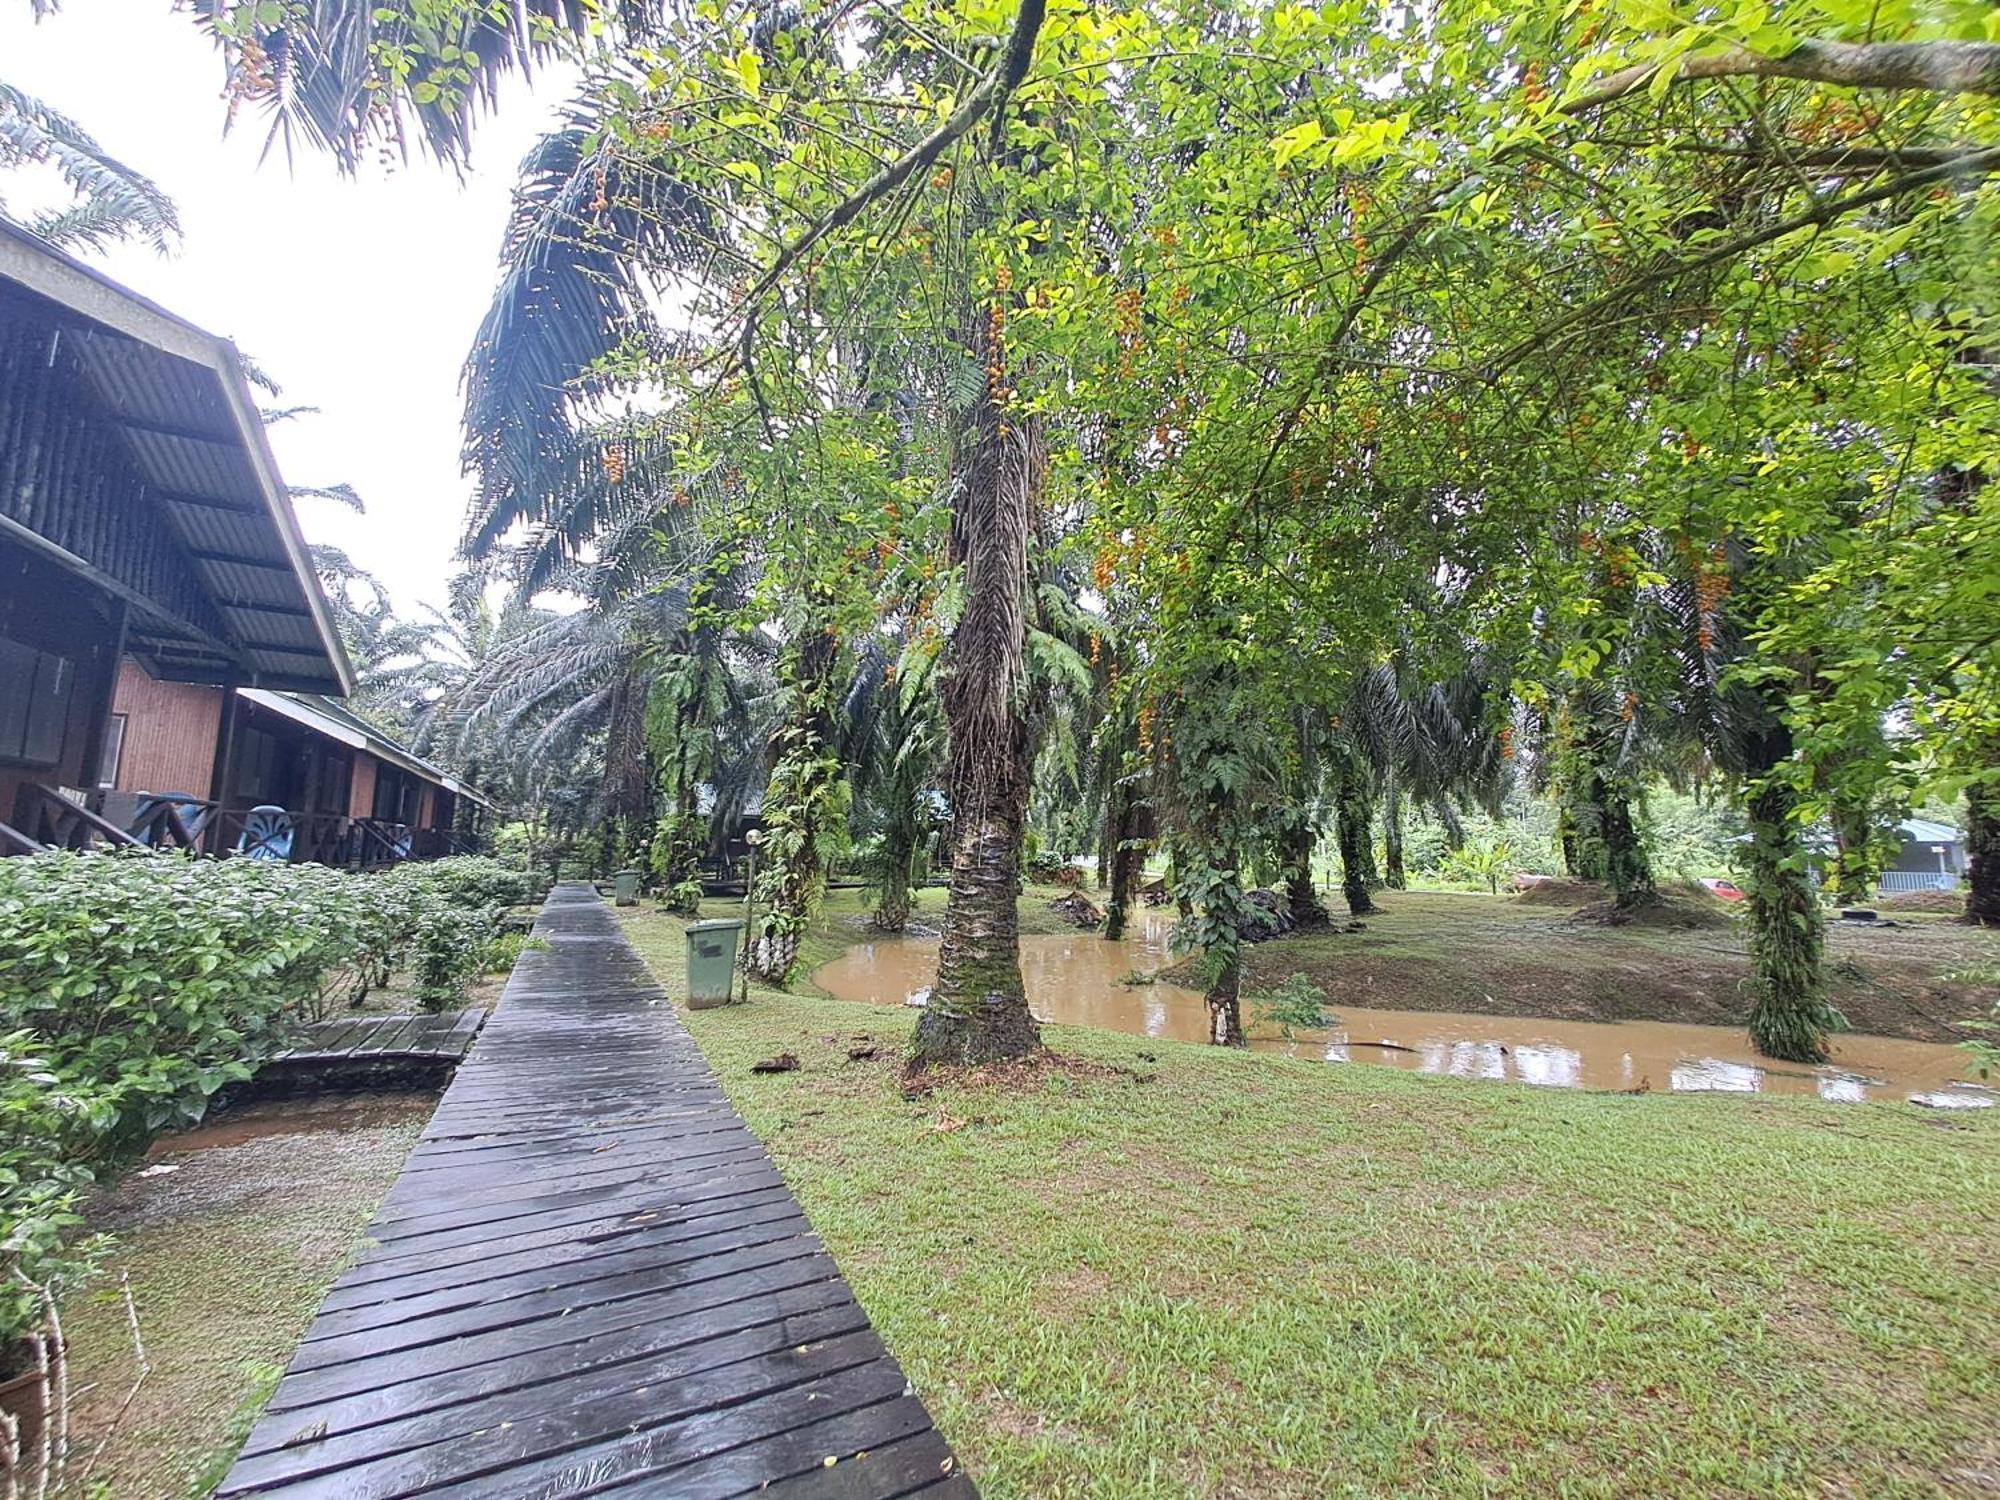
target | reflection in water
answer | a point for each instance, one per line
(1078, 981)
(1716, 1075)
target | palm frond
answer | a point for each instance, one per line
(591, 226)
(116, 202)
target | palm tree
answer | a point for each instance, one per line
(593, 236)
(893, 743)
(350, 76)
(112, 201)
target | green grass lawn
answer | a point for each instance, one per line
(1191, 1272)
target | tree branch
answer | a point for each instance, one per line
(1823, 213)
(991, 90)
(1940, 67)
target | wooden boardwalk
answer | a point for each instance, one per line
(438, 1038)
(590, 1279)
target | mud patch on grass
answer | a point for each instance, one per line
(1016, 1075)
(230, 1236)
(1666, 913)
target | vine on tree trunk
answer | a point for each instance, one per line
(805, 815)
(1351, 831)
(1982, 846)
(1792, 1018)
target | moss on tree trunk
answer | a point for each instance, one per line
(1295, 851)
(892, 905)
(1225, 1005)
(1791, 1018)
(1127, 859)
(1351, 832)
(1853, 869)
(1393, 874)
(1982, 845)
(1627, 869)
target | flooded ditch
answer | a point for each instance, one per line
(1081, 980)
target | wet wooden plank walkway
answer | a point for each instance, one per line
(436, 1038)
(590, 1279)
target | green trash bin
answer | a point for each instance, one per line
(626, 884)
(711, 963)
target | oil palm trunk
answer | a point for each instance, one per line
(978, 1011)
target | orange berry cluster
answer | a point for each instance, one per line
(614, 459)
(1104, 567)
(1532, 87)
(1711, 587)
(1096, 648)
(1506, 738)
(1126, 325)
(996, 341)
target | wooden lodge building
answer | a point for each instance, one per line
(169, 668)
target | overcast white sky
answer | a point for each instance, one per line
(359, 296)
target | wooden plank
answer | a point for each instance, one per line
(387, 1034)
(420, 1413)
(327, 1038)
(446, 1036)
(460, 1038)
(589, 1277)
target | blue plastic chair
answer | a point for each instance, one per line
(267, 835)
(192, 810)
(401, 841)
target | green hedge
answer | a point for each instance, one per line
(134, 986)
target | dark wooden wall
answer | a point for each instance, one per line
(45, 607)
(66, 475)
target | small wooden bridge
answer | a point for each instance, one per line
(446, 1038)
(590, 1279)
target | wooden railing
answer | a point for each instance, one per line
(170, 823)
(46, 819)
(379, 842)
(44, 816)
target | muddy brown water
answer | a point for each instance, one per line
(299, 1116)
(1080, 981)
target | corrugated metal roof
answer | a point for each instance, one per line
(1923, 831)
(177, 399)
(338, 722)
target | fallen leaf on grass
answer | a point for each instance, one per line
(784, 1062)
(944, 1124)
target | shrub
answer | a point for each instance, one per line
(473, 882)
(682, 898)
(165, 977)
(1297, 1004)
(451, 911)
(134, 986)
(1486, 861)
(1044, 869)
(49, 1126)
